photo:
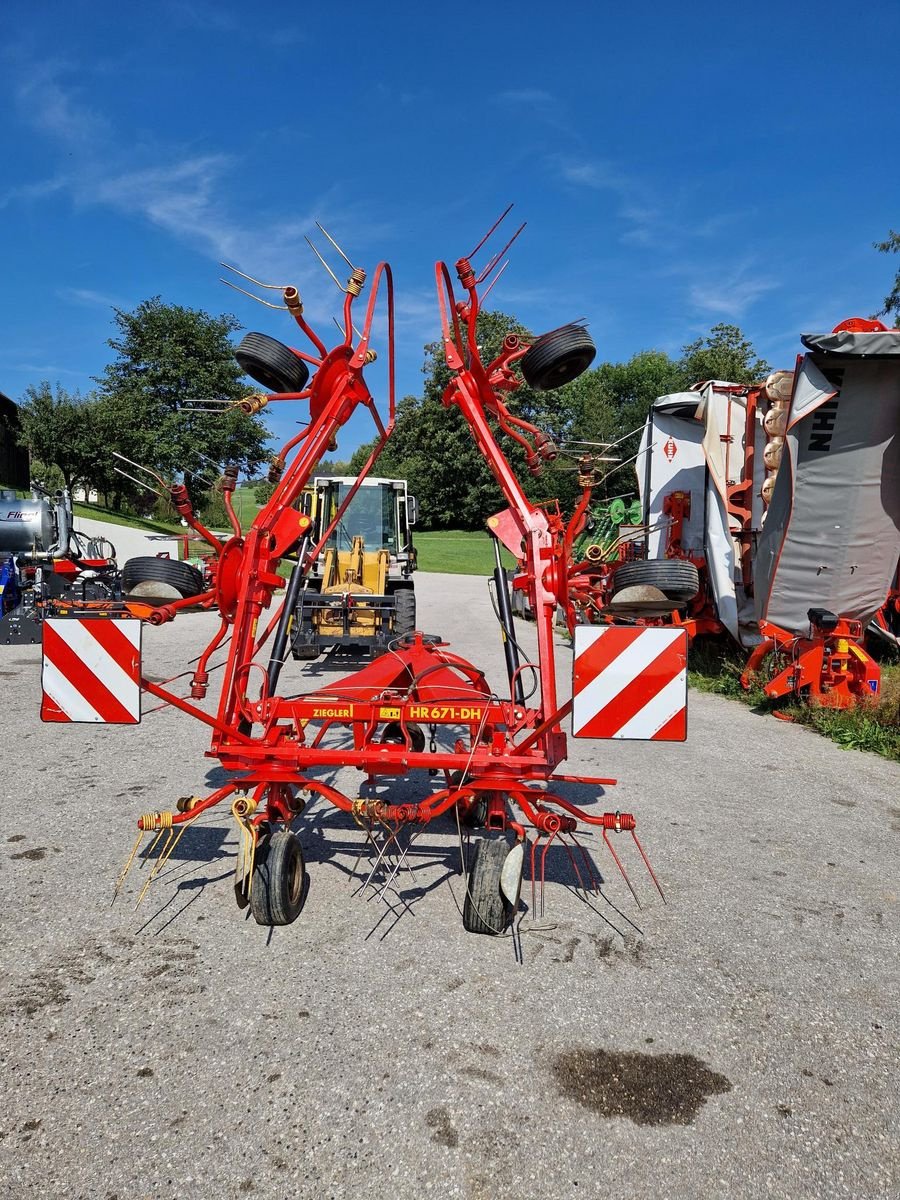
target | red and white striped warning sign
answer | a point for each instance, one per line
(92, 670)
(630, 682)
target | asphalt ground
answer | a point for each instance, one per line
(742, 1043)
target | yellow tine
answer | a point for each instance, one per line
(129, 862)
(340, 286)
(322, 229)
(258, 299)
(272, 287)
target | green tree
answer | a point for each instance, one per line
(433, 448)
(723, 354)
(167, 355)
(262, 491)
(892, 300)
(64, 430)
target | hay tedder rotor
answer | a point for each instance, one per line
(487, 760)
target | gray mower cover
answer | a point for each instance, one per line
(832, 532)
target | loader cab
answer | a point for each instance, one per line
(381, 513)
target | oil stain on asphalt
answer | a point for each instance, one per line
(649, 1089)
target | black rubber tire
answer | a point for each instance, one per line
(271, 363)
(404, 612)
(182, 576)
(485, 909)
(676, 578)
(558, 357)
(279, 881)
(475, 816)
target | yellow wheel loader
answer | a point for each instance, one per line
(359, 592)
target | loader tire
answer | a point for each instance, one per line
(676, 578)
(186, 579)
(279, 881)
(271, 363)
(404, 612)
(558, 357)
(486, 909)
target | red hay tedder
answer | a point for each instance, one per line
(491, 760)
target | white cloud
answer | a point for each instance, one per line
(729, 295)
(88, 298)
(56, 110)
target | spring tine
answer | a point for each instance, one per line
(140, 467)
(381, 854)
(591, 870)
(487, 291)
(499, 221)
(258, 299)
(129, 863)
(497, 257)
(370, 841)
(272, 287)
(159, 859)
(649, 868)
(396, 871)
(543, 863)
(340, 286)
(140, 483)
(621, 868)
(568, 849)
(322, 229)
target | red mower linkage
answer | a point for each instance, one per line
(497, 756)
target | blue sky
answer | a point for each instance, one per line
(678, 165)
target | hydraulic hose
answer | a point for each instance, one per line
(504, 607)
(276, 659)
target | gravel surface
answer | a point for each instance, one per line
(742, 1044)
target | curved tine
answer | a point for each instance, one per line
(258, 299)
(140, 483)
(322, 229)
(338, 284)
(273, 287)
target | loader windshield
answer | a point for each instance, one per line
(372, 515)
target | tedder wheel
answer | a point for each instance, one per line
(676, 578)
(279, 876)
(558, 357)
(404, 612)
(271, 363)
(486, 909)
(140, 575)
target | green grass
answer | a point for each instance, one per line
(872, 725)
(97, 512)
(457, 552)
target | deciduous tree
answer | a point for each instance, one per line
(167, 355)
